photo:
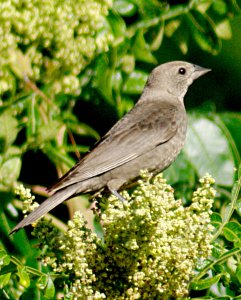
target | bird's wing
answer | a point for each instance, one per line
(147, 125)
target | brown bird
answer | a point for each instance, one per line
(149, 136)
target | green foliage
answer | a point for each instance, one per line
(61, 61)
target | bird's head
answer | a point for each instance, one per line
(174, 77)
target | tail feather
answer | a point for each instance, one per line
(46, 206)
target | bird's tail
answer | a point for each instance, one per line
(46, 206)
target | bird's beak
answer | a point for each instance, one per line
(199, 71)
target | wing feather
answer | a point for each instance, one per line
(139, 131)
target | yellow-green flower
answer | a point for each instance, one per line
(57, 40)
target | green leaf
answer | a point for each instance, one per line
(46, 283)
(208, 150)
(48, 131)
(83, 129)
(20, 63)
(158, 37)
(4, 279)
(135, 82)
(217, 250)
(50, 289)
(8, 129)
(203, 6)
(33, 117)
(238, 272)
(103, 76)
(238, 207)
(117, 25)
(220, 7)
(10, 170)
(117, 81)
(57, 156)
(181, 37)
(237, 5)
(4, 258)
(141, 49)
(203, 30)
(224, 29)
(23, 276)
(231, 125)
(149, 9)
(232, 231)
(203, 284)
(124, 8)
(42, 282)
(128, 63)
(172, 26)
(125, 105)
(216, 219)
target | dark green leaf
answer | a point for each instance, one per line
(232, 231)
(203, 30)
(158, 37)
(237, 5)
(149, 9)
(56, 155)
(217, 250)
(142, 50)
(232, 122)
(216, 219)
(135, 82)
(220, 7)
(181, 38)
(102, 80)
(238, 272)
(203, 284)
(117, 25)
(238, 207)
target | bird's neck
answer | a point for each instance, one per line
(159, 93)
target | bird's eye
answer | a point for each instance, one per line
(182, 71)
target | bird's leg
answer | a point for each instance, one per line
(113, 185)
(115, 193)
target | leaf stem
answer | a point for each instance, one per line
(234, 197)
(219, 260)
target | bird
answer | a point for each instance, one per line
(150, 136)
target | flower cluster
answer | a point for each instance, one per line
(57, 38)
(151, 244)
(27, 198)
